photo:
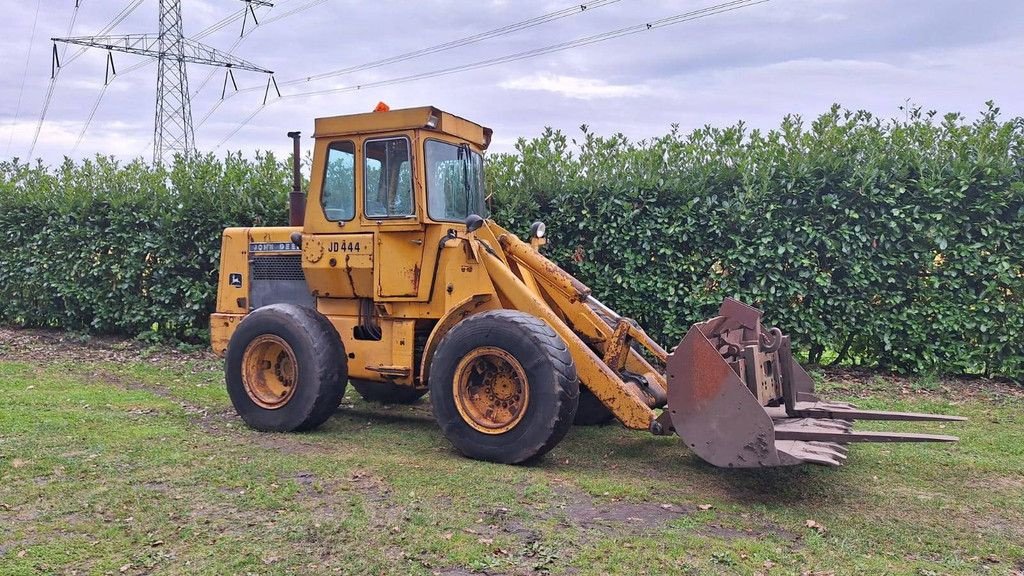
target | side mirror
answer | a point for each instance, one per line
(473, 223)
(538, 235)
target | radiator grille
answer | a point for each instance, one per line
(277, 267)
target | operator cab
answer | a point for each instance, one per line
(395, 169)
(386, 188)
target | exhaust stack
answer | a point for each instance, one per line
(296, 199)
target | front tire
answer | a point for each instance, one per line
(285, 368)
(503, 387)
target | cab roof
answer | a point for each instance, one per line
(425, 117)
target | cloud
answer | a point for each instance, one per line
(574, 87)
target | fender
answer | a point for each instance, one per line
(464, 309)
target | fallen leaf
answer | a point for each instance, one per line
(18, 463)
(485, 540)
(447, 535)
(156, 543)
(124, 568)
(666, 506)
(704, 507)
(815, 526)
(21, 553)
(768, 564)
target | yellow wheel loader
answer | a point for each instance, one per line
(391, 277)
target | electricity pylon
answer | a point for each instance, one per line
(172, 128)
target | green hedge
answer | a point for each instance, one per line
(897, 244)
(105, 247)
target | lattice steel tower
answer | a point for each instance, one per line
(172, 129)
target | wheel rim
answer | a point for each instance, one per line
(269, 371)
(491, 390)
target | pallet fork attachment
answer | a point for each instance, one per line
(738, 399)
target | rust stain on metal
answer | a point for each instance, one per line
(348, 273)
(618, 347)
(414, 277)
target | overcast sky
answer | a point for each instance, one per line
(755, 64)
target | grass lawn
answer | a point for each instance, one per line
(115, 461)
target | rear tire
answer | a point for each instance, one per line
(285, 368)
(591, 411)
(503, 387)
(387, 392)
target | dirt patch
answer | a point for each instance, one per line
(586, 513)
(331, 497)
(49, 346)
(161, 487)
(1013, 484)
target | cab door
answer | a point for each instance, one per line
(389, 206)
(337, 255)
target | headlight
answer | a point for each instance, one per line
(538, 230)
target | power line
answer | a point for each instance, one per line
(217, 26)
(584, 41)
(496, 32)
(99, 98)
(88, 121)
(294, 11)
(53, 82)
(238, 42)
(24, 76)
(228, 20)
(117, 19)
(242, 124)
(42, 114)
(245, 35)
(71, 26)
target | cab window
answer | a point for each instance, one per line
(387, 178)
(339, 192)
(455, 181)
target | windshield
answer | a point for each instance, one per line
(455, 181)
